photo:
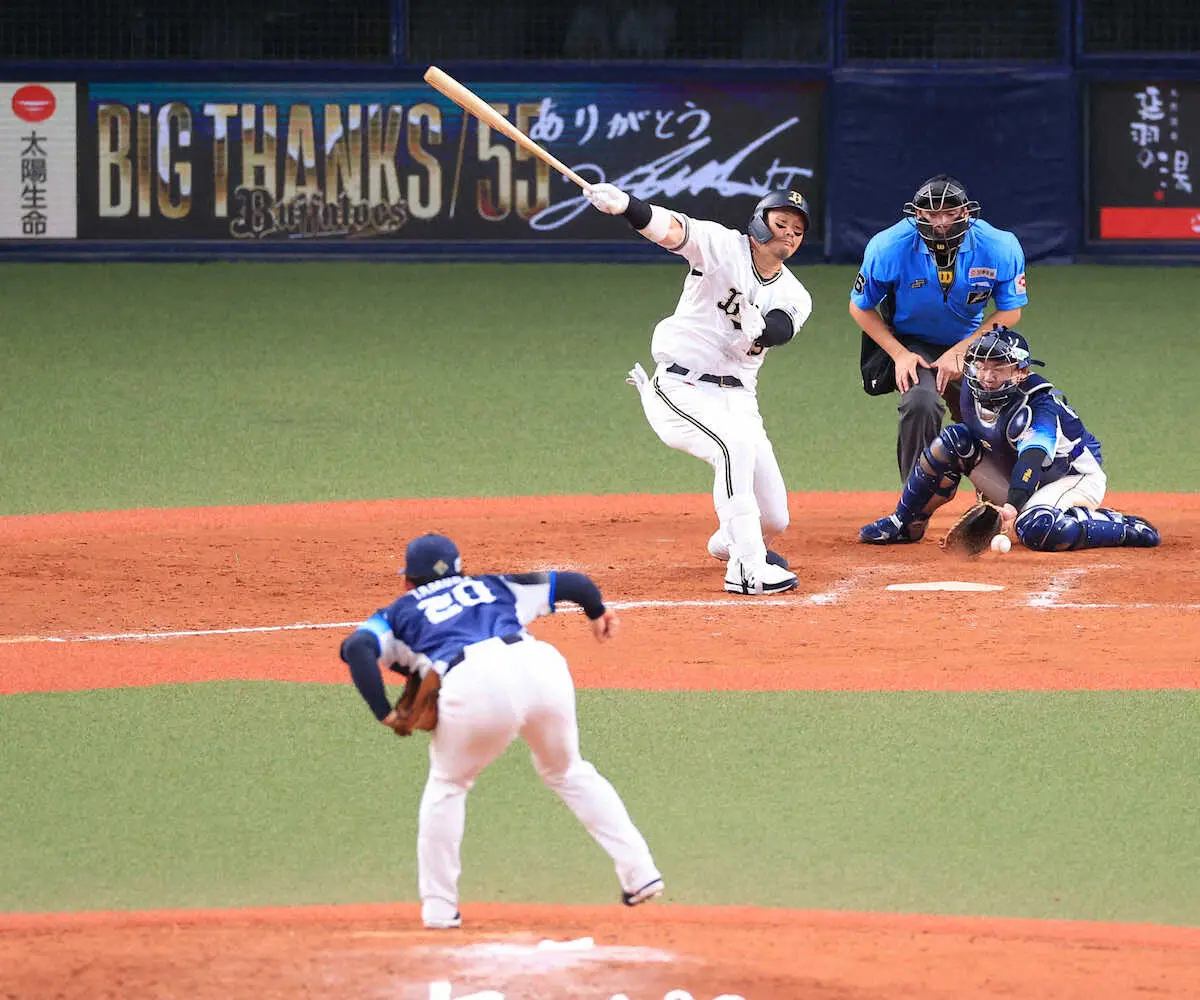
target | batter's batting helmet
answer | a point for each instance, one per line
(1007, 347)
(758, 228)
(942, 193)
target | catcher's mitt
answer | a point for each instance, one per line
(429, 717)
(974, 531)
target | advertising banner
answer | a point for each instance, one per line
(1142, 140)
(281, 162)
(37, 161)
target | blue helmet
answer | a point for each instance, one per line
(431, 557)
(794, 200)
(1007, 347)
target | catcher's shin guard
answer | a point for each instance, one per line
(934, 479)
(1046, 529)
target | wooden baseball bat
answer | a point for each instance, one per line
(492, 118)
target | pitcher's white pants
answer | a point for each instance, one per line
(724, 428)
(497, 693)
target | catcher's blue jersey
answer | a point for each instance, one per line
(899, 272)
(438, 620)
(1038, 418)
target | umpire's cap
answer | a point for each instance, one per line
(794, 200)
(431, 557)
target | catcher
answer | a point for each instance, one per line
(483, 682)
(1026, 451)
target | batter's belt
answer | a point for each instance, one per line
(724, 381)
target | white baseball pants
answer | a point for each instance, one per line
(497, 693)
(724, 428)
(1079, 490)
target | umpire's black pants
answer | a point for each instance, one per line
(921, 409)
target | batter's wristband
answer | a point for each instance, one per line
(638, 214)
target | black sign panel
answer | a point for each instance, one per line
(278, 162)
(1143, 140)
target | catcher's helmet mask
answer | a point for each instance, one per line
(942, 193)
(759, 230)
(1004, 346)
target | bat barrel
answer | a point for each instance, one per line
(470, 102)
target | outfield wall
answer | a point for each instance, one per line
(138, 165)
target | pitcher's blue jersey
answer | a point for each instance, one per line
(431, 625)
(1039, 418)
(899, 272)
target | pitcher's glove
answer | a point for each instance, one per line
(974, 531)
(429, 717)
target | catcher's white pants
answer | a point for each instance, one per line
(497, 693)
(1077, 490)
(724, 428)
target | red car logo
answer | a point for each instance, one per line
(33, 103)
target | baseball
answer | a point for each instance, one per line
(1001, 544)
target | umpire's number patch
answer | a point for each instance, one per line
(860, 282)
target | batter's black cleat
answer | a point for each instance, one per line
(651, 890)
(891, 530)
(775, 559)
(1139, 533)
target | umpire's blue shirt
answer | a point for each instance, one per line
(899, 271)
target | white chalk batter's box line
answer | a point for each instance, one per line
(1044, 600)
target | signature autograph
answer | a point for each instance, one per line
(671, 174)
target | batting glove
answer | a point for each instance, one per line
(606, 198)
(751, 319)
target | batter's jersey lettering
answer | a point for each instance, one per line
(429, 626)
(703, 332)
(1040, 418)
(899, 273)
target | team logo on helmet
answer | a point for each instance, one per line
(794, 200)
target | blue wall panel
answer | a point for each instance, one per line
(1011, 136)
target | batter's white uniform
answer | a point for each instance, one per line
(493, 690)
(703, 409)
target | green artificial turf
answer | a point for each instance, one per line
(135, 385)
(1068, 805)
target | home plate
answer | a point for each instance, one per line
(945, 585)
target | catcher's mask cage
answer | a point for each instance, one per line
(758, 228)
(942, 194)
(1004, 346)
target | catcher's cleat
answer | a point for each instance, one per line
(771, 579)
(651, 890)
(1140, 533)
(891, 530)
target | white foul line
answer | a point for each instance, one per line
(1044, 600)
(245, 629)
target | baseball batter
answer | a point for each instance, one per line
(738, 302)
(1023, 446)
(491, 681)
